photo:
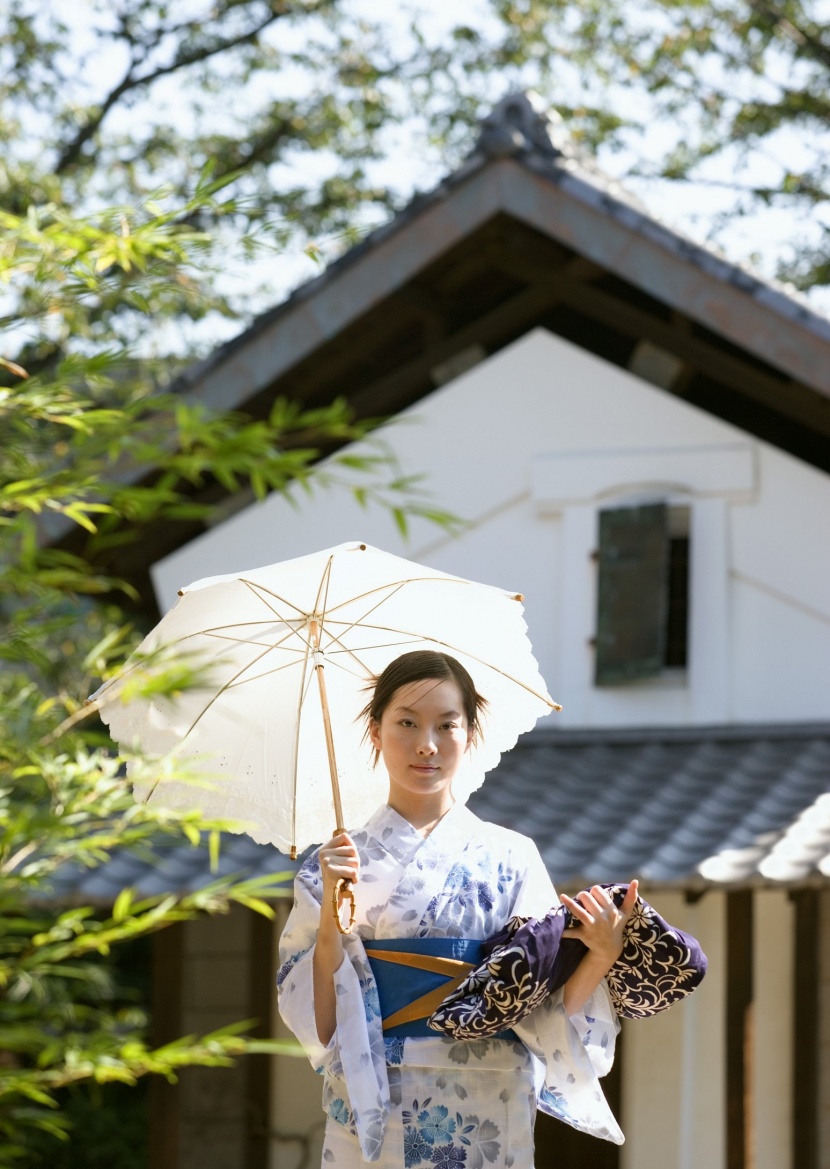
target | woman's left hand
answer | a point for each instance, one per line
(599, 922)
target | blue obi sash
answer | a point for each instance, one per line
(414, 976)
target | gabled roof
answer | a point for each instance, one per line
(518, 130)
(691, 808)
(525, 234)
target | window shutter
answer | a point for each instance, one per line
(632, 594)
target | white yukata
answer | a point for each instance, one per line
(439, 1102)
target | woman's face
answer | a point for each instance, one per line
(422, 736)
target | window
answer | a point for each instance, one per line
(643, 593)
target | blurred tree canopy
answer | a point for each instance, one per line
(304, 99)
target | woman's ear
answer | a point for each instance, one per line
(374, 733)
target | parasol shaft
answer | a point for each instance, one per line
(319, 669)
(341, 889)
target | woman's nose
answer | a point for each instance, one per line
(426, 745)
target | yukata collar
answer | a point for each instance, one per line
(422, 881)
(403, 841)
(456, 814)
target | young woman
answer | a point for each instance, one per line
(427, 868)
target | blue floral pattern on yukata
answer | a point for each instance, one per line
(438, 1102)
(433, 1135)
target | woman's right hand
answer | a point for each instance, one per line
(339, 860)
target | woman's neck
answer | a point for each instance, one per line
(423, 815)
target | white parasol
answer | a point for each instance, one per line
(285, 655)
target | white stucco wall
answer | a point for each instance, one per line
(527, 446)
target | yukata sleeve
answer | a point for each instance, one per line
(354, 1061)
(571, 1052)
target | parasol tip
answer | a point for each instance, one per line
(293, 852)
(519, 597)
(556, 706)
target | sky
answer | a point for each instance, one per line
(692, 209)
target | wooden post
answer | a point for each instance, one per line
(739, 1031)
(806, 1008)
(167, 973)
(262, 978)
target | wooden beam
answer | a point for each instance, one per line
(398, 389)
(739, 1036)
(785, 395)
(166, 1025)
(535, 259)
(749, 377)
(806, 1015)
(262, 980)
(433, 297)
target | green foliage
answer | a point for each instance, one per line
(81, 425)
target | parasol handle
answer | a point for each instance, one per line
(342, 887)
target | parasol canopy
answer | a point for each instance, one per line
(285, 656)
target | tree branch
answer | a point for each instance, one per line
(809, 41)
(72, 151)
(806, 190)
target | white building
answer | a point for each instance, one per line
(637, 436)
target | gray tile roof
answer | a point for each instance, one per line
(684, 807)
(179, 867)
(540, 140)
(690, 806)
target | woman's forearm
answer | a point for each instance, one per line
(339, 862)
(584, 981)
(328, 956)
(600, 925)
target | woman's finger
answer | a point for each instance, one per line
(335, 867)
(630, 898)
(591, 904)
(577, 910)
(339, 840)
(334, 858)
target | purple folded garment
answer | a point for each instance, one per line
(529, 959)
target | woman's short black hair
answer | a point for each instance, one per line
(422, 665)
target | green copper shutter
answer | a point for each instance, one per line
(632, 594)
